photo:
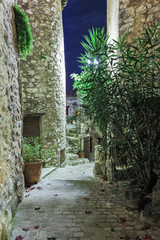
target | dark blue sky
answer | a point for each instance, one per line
(78, 17)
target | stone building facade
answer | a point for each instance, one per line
(135, 16)
(43, 76)
(11, 163)
(131, 17)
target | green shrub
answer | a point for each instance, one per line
(23, 30)
(120, 84)
(32, 149)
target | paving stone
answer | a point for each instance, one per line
(78, 234)
(76, 206)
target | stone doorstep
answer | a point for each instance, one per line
(70, 150)
(77, 162)
(72, 156)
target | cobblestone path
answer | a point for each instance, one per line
(70, 204)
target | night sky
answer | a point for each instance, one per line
(78, 17)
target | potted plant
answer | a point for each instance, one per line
(81, 153)
(71, 118)
(78, 111)
(32, 151)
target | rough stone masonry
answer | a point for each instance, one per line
(43, 74)
(136, 15)
(11, 163)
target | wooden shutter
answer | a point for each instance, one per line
(31, 126)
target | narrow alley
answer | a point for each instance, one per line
(71, 204)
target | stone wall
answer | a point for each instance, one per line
(11, 175)
(130, 17)
(136, 15)
(43, 74)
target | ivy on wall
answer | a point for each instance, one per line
(23, 30)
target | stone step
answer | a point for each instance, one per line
(72, 138)
(77, 162)
(72, 150)
(71, 157)
(71, 129)
(72, 135)
(72, 142)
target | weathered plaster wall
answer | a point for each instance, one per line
(113, 19)
(43, 75)
(11, 175)
(136, 15)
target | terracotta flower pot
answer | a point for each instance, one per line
(32, 172)
(78, 113)
(81, 154)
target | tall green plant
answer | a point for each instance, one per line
(23, 30)
(120, 84)
(32, 149)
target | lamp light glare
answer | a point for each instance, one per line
(96, 61)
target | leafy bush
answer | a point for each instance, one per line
(23, 30)
(32, 149)
(120, 84)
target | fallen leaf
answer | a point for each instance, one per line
(39, 188)
(131, 219)
(19, 237)
(27, 195)
(125, 237)
(37, 208)
(30, 189)
(99, 193)
(146, 227)
(25, 229)
(105, 179)
(102, 190)
(88, 212)
(36, 227)
(55, 195)
(85, 207)
(122, 220)
(111, 215)
(86, 198)
(130, 225)
(148, 238)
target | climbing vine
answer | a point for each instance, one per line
(23, 30)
